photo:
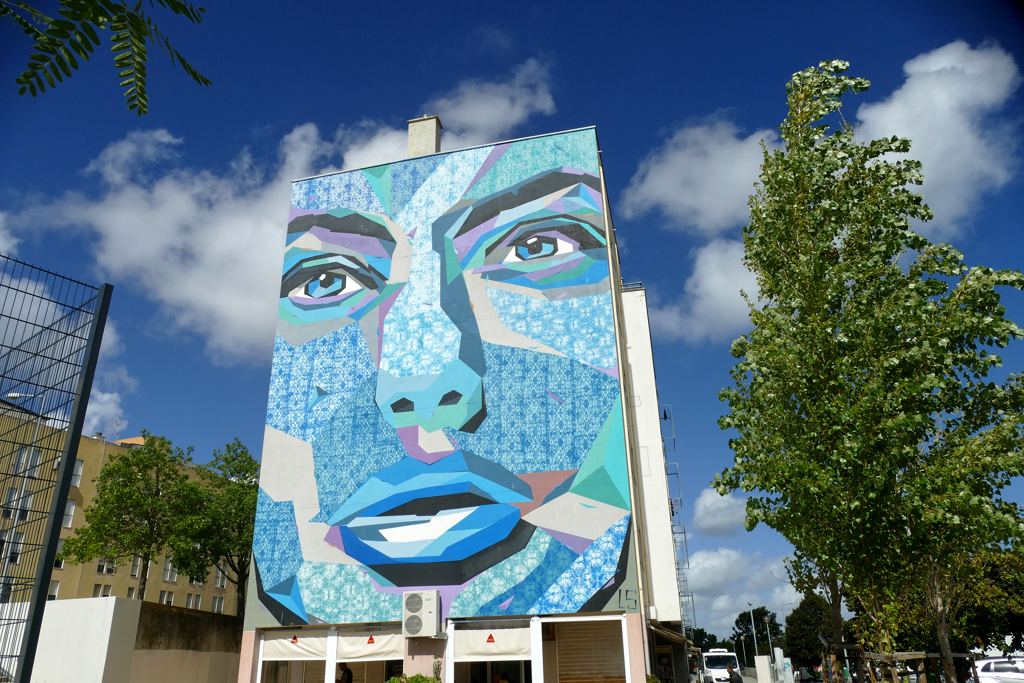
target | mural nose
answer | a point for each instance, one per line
(453, 398)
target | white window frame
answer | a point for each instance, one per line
(76, 476)
(69, 513)
(57, 562)
(170, 572)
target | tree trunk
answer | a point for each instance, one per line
(940, 605)
(143, 576)
(835, 597)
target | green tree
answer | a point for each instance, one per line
(229, 487)
(742, 629)
(811, 617)
(145, 505)
(76, 32)
(704, 640)
(861, 403)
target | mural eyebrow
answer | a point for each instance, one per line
(353, 223)
(527, 192)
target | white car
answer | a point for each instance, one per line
(1000, 669)
(715, 662)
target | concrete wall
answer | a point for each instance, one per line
(116, 640)
(661, 547)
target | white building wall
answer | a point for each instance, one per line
(644, 401)
(89, 640)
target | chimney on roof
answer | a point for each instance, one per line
(424, 136)
(98, 435)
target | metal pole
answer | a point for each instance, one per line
(743, 642)
(753, 630)
(55, 518)
(771, 655)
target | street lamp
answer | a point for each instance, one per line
(770, 655)
(753, 629)
(743, 644)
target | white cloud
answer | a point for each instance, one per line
(715, 515)
(8, 242)
(944, 107)
(711, 307)
(700, 178)
(205, 248)
(120, 160)
(111, 382)
(724, 580)
(104, 411)
(475, 112)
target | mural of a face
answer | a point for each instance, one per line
(446, 350)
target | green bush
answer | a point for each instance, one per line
(415, 678)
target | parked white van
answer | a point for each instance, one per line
(716, 660)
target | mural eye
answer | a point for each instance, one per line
(326, 284)
(537, 246)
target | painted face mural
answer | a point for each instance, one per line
(444, 405)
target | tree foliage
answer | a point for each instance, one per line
(811, 617)
(229, 488)
(61, 42)
(704, 640)
(865, 419)
(145, 505)
(742, 629)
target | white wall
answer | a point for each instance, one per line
(661, 545)
(88, 640)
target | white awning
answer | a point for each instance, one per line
(360, 648)
(278, 645)
(480, 645)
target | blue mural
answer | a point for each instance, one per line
(446, 369)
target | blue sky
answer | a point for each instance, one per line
(184, 210)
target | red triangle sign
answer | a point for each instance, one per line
(369, 641)
(490, 638)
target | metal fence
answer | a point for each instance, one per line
(50, 332)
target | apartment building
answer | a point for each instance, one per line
(101, 578)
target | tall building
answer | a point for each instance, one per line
(212, 593)
(463, 473)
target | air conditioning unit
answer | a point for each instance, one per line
(421, 614)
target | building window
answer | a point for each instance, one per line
(220, 579)
(198, 603)
(136, 565)
(69, 513)
(52, 593)
(28, 465)
(5, 592)
(166, 597)
(218, 605)
(19, 500)
(10, 542)
(58, 562)
(105, 565)
(170, 573)
(76, 476)
(193, 581)
(100, 590)
(193, 601)
(131, 592)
